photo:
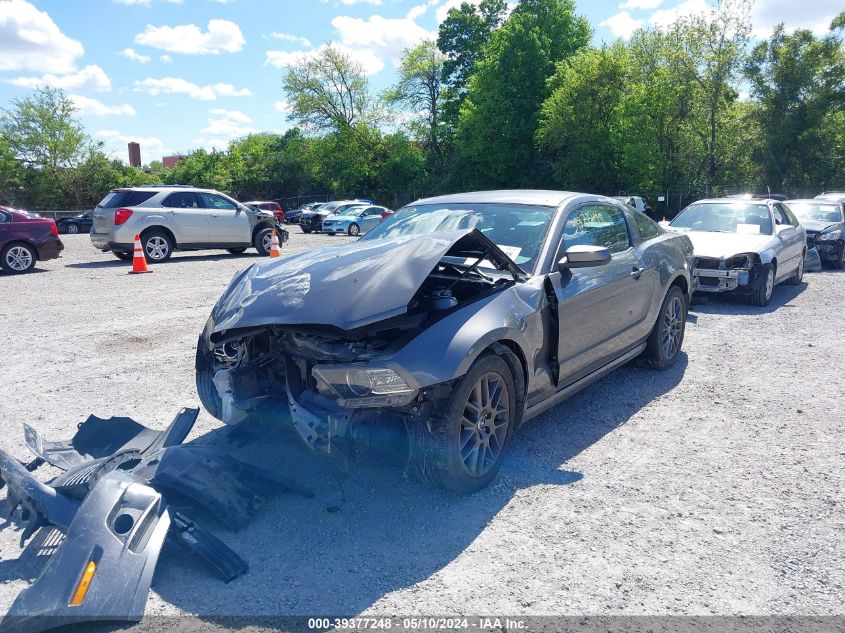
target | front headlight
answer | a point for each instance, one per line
(358, 386)
(830, 235)
(743, 260)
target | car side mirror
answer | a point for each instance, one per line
(584, 256)
(784, 228)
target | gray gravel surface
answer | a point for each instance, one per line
(713, 488)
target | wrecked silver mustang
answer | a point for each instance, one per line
(453, 321)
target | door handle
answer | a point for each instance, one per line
(637, 272)
(214, 215)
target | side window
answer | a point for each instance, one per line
(791, 216)
(181, 200)
(597, 225)
(4, 218)
(647, 227)
(780, 215)
(374, 211)
(214, 201)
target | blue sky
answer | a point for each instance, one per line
(176, 75)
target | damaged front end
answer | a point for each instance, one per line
(115, 503)
(330, 362)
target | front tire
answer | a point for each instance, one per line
(18, 258)
(763, 294)
(157, 245)
(839, 262)
(354, 229)
(236, 251)
(72, 229)
(467, 444)
(304, 230)
(262, 241)
(666, 339)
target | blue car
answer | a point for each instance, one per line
(355, 220)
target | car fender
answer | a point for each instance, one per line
(447, 348)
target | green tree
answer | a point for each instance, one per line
(498, 120)
(419, 91)
(797, 80)
(328, 91)
(461, 38)
(581, 122)
(41, 130)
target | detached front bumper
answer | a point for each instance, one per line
(829, 250)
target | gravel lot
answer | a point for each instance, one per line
(713, 488)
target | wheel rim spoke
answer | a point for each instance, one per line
(484, 424)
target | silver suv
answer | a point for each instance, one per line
(178, 217)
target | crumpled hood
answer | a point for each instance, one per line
(817, 226)
(347, 286)
(712, 244)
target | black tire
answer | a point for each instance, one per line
(839, 262)
(667, 337)
(304, 230)
(260, 243)
(447, 457)
(124, 256)
(354, 229)
(205, 382)
(18, 258)
(157, 246)
(236, 251)
(796, 279)
(763, 294)
(72, 228)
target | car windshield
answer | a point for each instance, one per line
(816, 211)
(725, 217)
(518, 229)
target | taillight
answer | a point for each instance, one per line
(121, 215)
(54, 230)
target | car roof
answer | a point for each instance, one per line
(541, 197)
(736, 201)
(816, 200)
(165, 188)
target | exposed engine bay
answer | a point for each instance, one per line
(327, 382)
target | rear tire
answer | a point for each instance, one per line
(206, 390)
(157, 245)
(236, 251)
(72, 229)
(463, 455)
(18, 258)
(763, 294)
(799, 272)
(121, 255)
(304, 230)
(667, 338)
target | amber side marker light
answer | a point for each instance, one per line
(84, 583)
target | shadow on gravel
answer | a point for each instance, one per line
(726, 303)
(173, 261)
(370, 531)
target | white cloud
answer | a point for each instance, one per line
(369, 61)
(227, 125)
(165, 59)
(129, 53)
(664, 18)
(443, 10)
(815, 16)
(176, 85)
(387, 37)
(640, 4)
(89, 78)
(282, 106)
(91, 107)
(32, 41)
(223, 1)
(145, 3)
(622, 24)
(287, 37)
(222, 36)
(349, 3)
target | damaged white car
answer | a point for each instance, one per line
(743, 246)
(447, 326)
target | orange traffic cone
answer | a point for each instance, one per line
(139, 262)
(275, 249)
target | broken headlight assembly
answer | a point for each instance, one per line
(742, 261)
(360, 386)
(829, 236)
